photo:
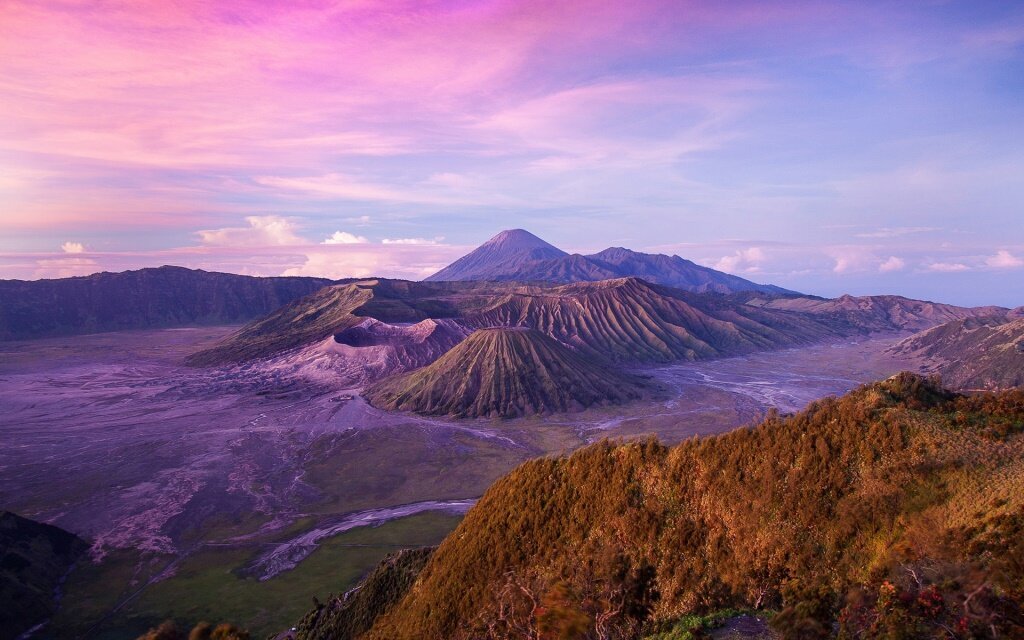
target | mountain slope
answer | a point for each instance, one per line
(973, 353)
(630, 320)
(143, 299)
(505, 372)
(34, 558)
(503, 254)
(874, 313)
(309, 319)
(518, 255)
(370, 351)
(313, 319)
(860, 512)
(677, 272)
(348, 616)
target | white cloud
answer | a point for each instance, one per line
(744, 260)
(892, 264)
(72, 247)
(852, 258)
(263, 231)
(1004, 260)
(421, 241)
(948, 267)
(344, 237)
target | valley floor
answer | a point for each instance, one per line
(238, 494)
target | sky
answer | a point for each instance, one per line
(827, 147)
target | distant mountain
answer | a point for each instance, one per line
(629, 540)
(973, 353)
(873, 313)
(518, 255)
(508, 252)
(143, 299)
(506, 372)
(34, 558)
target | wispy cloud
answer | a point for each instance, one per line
(948, 267)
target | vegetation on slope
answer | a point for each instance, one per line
(352, 614)
(506, 372)
(974, 353)
(895, 511)
(34, 558)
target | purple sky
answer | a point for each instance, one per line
(825, 147)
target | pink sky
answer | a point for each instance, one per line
(779, 139)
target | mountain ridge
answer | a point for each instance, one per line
(972, 353)
(149, 298)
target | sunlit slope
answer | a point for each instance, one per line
(899, 489)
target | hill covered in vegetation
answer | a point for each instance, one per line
(506, 372)
(895, 511)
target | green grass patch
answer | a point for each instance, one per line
(691, 626)
(208, 585)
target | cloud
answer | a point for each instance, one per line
(892, 264)
(72, 247)
(344, 237)
(420, 241)
(895, 232)
(263, 231)
(364, 260)
(65, 267)
(850, 259)
(1004, 260)
(744, 260)
(948, 267)
(345, 187)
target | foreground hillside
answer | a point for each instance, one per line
(506, 372)
(973, 353)
(143, 299)
(34, 560)
(896, 511)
